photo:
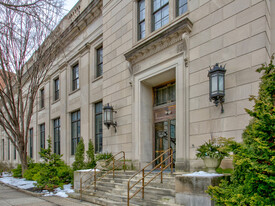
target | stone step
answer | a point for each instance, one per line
(121, 189)
(154, 183)
(112, 199)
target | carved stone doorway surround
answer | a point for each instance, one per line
(160, 58)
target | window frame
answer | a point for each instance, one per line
(98, 135)
(56, 89)
(75, 140)
(31, 142)
(75, 77)
(56, 140)
(42, 136)
(3, 147)
(42, 98)
(9, 155)
(154, 12)
(139, 22)
(178, 7)
(99, 63)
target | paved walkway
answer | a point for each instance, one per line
(10, 196)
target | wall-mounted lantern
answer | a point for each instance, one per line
(217, 85)
(108, 116)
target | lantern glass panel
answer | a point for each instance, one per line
(214, 84)
(221, 89)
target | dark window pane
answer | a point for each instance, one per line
(42, 136)
(75, 130)
(57, 136)
(160, 13)
(42, 98)
(75, 76)
(99, 62)
(98, 127)
(31, 142)
(56, 89)
(165, 94)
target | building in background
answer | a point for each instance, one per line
(150, 59)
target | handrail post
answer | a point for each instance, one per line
(171, 161)
(80, 188)
(124, 161)
(161, 166)
(113, 168)
(95, 179)
(128, 194)
(143, 184)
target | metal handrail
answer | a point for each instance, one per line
(170, 156)
(94, 176)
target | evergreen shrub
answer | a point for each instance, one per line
(253, 179)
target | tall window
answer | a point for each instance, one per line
(31, 142)
(75, 75)
(56, 89)
(98, 127)
(160, 13)
(14, 152)
(56, 125)
(141, 19)
(75, 124)
(42, 136)
(181, 7)
(9, 155)
(42, 96)
(3, 149)
(99, 62)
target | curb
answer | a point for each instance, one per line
(23, 190)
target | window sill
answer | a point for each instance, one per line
(55, 101)
(72, 92)
(159, 39)
(98, 78)
(41, 109)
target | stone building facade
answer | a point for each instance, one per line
(150, 59)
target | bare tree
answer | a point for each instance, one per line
(27, 52)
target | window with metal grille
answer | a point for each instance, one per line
(56, 129)
(75, 77)
(31, 142)
(42, 98)
(165, 94)
(98, 127)
(75, 130)
(141, 19)
(42, 136)
(99, 62)
(56, 89)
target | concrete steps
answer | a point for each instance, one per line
(113, 191)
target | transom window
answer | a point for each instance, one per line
(141, 19)
(99, 62)
(165, 94)
(98, 127)
(181, 7)
(56, 129)
(75, 133)
(160, 13)
(56, 89)
(75, 77)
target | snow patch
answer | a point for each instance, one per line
(26, 184)
(88, 170)
(202, 174)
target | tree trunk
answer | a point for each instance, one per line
(23, 158)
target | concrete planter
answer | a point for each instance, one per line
(211, 164)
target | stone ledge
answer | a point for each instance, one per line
(190, 190)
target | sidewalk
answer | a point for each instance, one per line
(10, 196)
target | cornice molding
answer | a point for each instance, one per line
(153, 44)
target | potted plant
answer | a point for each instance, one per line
(213, 151)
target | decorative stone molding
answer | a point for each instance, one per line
(165, 38)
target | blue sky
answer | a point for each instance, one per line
(69, 4)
